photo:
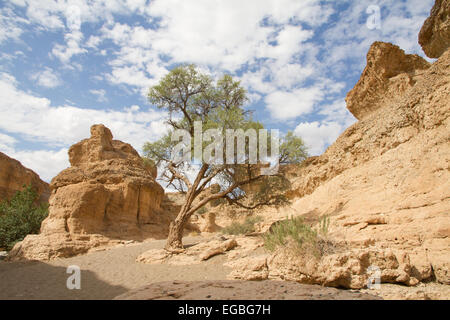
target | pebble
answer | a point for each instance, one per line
(3, 255)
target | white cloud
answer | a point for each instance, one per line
(10, 25)
(292, 55)
(36, 120)
(47, 78)
(348, 40)
(100, 93)
(228, 34)
(130, 76)
(337, 112)
(72, 47)
(7, 143)
(52, 14)
(221, 35)
(93, 42)
(289, 105)
(318, 136)
(44, 162)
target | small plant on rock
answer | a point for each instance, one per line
(295, 234)
(324, 225)
(290, 230)
(202, 211)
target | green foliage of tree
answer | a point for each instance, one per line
(189, 96)
(20, 216)
(292, 149)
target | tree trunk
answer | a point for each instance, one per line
(174, 240)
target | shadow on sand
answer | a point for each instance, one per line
(37, 280)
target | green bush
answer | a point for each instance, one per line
(20, 216)
(292, 229)
(242, 228)
(202, 211)
(324, 225)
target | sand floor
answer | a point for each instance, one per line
(104, 274)
(109, 273)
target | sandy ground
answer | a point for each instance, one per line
(104, 274)
(240, 290)
(113, 272)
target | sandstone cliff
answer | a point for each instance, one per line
(385, 182)
(107, 195)
(435, 34)
(13, 176)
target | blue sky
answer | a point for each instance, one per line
(65, 65)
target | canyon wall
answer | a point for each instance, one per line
(106, 197)
(13, 176)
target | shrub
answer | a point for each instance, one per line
(300, 238)
(20, 216)
(242, 228)
(324, 225)
(292, 229)
(202, 211)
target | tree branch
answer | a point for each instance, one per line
(179, 176)
(260, 204)
(223, 193)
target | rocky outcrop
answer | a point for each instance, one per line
(233, 247)
(385, 182)
(416, 110)
(191, 255)
(13, 176)
(388, 75)
(107, 196)
(352, 269)
(434, 37)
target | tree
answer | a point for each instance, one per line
(192, 98)
(20, 216)
(293, 149)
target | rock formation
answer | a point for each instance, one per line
(192, 255)
(389, 73)
(13, 176)
(434, 37)
(385, 182)
(348, 269)
(107, 195)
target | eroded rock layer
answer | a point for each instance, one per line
(385, 182)
(13, 176)
(388, 75)
(434, 37)
(107, 195)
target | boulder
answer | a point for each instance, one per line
(13, 176)
(191, 255)
(351, 269)
(388, 74)
(107, 196)
(434, 37)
